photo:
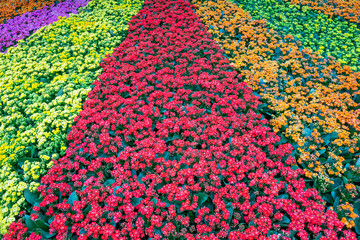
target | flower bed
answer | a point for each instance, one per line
(23, 26)
(349, 9)
(171, 145)
(329, 37)
(12, 8)
(313, 101)
(43, 83)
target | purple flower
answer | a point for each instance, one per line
(28, 23)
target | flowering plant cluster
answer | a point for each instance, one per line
(313, 101)
(318, 32)
(171, 145)
(26, 24)
(43, 83)
(12, 8)
(349, 9)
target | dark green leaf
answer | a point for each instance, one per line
(318, 237)
(230, 208)
(29, 223)
(357, 225)
(73, 197)
(322, 151)
(283, 196)
(135, 201)
(202, 198)
(109, 182)
(336, 203)
(51, 219)
(345, 180)
(41, 224)
(60, 92)
(30, 196)
(46, 234)
(330, 137)
(140, 177)
(328, 198)
(87, 210)
(357, 164)
(307, 132)
(285, 221)
(158, 232)
(154, 200)
(357, 207)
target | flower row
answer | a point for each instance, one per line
(314, 101)
(319, 32)
(26, 24)
(12, 8)
(43, 83)
(171, 145)
(349, 9)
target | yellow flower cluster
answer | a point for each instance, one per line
(311, 99)
(43, 83)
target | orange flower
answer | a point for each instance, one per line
(12, 8)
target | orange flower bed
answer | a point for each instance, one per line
(313, 101)
(348, 9)
(12, 8)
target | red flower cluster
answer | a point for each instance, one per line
(170, 145)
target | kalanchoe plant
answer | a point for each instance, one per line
(319, 32)
(11, 8)
(26, 24)
(348, 10)
(171, 145)
(312, 101)
(43, 83)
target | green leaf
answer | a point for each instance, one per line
(140, 177)
(73, 197)
(202, 198)
(294, 167)
(87, 210)
(41, 224)
(30, 196)
(292, 234)
(307, 132)
(109, 182)
(285, 221)
(46, 234)
(283, 196)
(357, 207)
(136, 201)
(230, 208)
(330, 137)
(115, 189)
(357, 164)
(158, 232)
(51, 219)
(337, 201)
(318, 237)
(154, 200)
(322, 151)
(328, 198)
(357, 225)
(345, 180)
(29, 223)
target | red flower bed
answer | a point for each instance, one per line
(170, 145)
